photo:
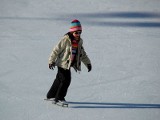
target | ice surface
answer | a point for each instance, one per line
(122, 39)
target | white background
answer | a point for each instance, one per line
(122, 39)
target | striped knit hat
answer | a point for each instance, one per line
(75, 26)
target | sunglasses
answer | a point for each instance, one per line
(78, 32)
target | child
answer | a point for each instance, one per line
(69, 52)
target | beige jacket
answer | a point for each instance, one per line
(62, 54)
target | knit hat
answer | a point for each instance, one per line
(75, 26)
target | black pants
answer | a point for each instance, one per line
(60, 85)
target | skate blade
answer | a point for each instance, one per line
(52, 99)
(61, 104)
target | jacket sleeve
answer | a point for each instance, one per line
(56, 51)
(84, 57)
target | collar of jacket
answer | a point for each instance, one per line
(68, 38)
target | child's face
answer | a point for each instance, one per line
(77, 34)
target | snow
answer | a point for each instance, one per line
(121, 39)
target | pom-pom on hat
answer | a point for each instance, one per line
(75, 26)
